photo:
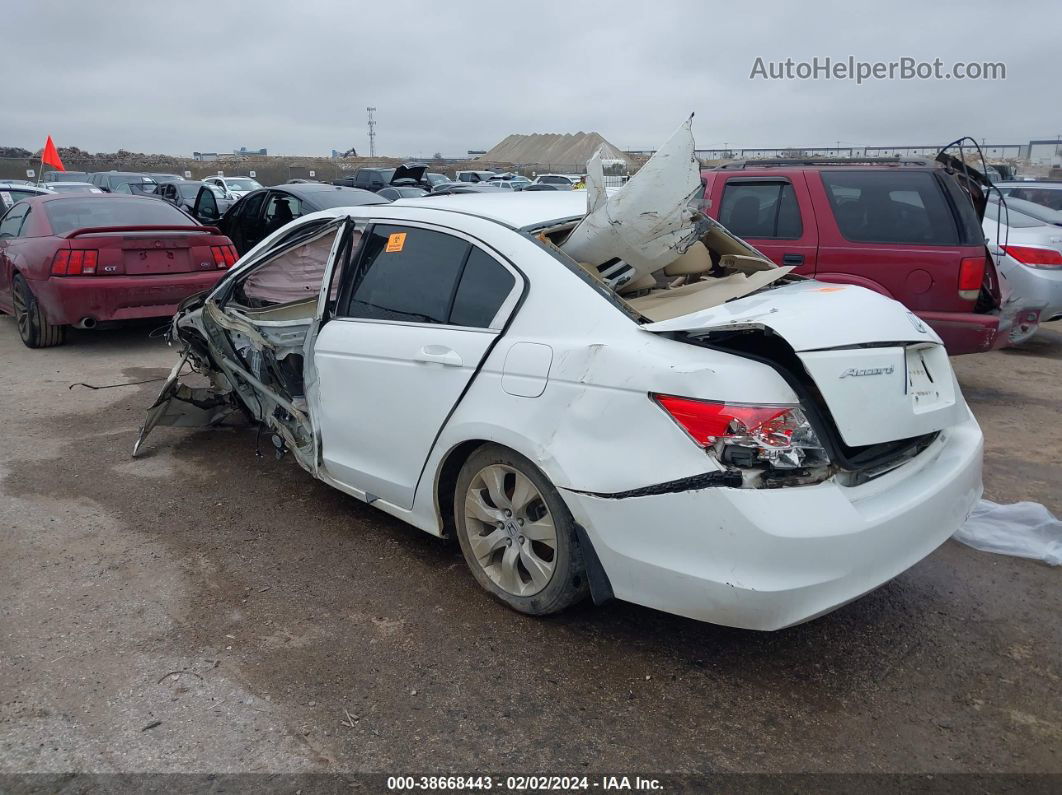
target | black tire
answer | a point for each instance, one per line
(567, 583)
(33, 326)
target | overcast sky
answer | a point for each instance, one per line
(296, 77)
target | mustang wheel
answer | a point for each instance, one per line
(516, 533)
(33, 328)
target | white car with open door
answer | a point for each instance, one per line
(727, 441)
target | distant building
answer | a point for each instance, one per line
(1045, 152)
(204, 156)
(243, 151)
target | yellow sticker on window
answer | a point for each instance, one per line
(395, 242)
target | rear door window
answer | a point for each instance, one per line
(891, 207)
(761, 209)
(484, 286)
(407, 274)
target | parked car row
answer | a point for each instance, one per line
(908, 230)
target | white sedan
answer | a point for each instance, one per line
(233, 187)
(750, 448)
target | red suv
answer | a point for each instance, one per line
(907, 230)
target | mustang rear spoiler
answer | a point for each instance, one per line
(102, 230)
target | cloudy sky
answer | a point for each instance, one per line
(296, 77)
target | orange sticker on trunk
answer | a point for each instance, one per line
(395, 242)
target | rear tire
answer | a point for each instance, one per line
(517, 535)
(33, 326)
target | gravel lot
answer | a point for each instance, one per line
(204, 609)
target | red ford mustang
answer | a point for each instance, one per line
(79, 259)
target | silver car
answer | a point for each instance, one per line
(1028, 254)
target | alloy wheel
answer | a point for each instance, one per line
(22, 314)
(510, 530)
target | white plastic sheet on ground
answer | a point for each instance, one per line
(1023, 529)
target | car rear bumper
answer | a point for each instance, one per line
(968, 332)
(69, 299)
(768, 559)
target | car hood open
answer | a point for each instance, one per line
(411, 171)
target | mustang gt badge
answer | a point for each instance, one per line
(856, 373)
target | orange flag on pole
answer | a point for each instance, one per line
(50, 155)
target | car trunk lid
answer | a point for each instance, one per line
(882, 373)
(150, 251)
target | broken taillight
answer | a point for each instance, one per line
(75, 262)
(971, 275)
(747, 435)
(1035, 256)
(224, 256)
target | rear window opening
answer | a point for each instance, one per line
(718, 268)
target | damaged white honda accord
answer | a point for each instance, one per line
(600, 393)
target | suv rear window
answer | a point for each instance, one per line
(761, 209)
(890, 207)
(66, 215)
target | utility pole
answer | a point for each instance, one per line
(372, 132)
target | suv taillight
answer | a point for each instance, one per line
(75, 262)
(971, 275)
(1035, 256)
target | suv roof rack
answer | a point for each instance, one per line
(803, 161)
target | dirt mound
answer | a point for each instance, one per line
(571, 148)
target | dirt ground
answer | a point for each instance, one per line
(205, 609)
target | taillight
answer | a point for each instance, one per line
(224, 256)
(60, 262)
(1034, 256)
(75, 262)
(747, 435)
(971, 275)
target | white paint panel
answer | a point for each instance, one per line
(526, 369)
(385, 390)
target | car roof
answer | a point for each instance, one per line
(1030, 183)
(20, 186)
(516, 209)
(311, 188)
(839, 165)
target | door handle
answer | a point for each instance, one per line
(438, 354)
(792, 259)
